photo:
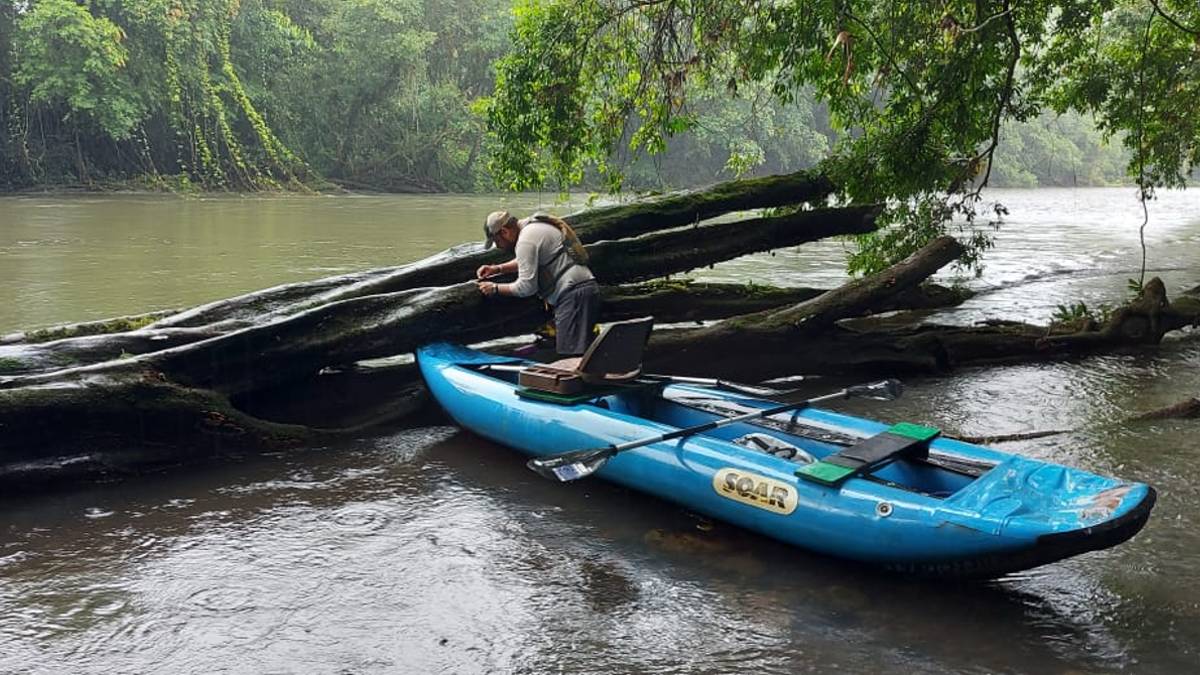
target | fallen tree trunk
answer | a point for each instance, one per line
(645, 257)
(667, 253)
(168, 390)
(693, 206)
(880, 347)
(118, 324)
(674, 302)
(638, 256)
(460, 262)
(777, 338)
(187, 388)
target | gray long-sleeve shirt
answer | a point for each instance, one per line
(541, 258)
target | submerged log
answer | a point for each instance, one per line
(1188, 408)
(1009, 438)
(1185, 409)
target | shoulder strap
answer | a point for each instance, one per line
(571, 242)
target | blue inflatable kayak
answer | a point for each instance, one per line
(935, 507)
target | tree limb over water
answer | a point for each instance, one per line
(202, 382)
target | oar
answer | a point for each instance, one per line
(748, 389)
(851, 436)
(582, 463)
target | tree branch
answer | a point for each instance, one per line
(1171, 20)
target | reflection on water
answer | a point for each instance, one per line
(430, 550)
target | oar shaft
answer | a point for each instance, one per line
(717, 424)
(748, 389)
(577, 464)
(687, 380)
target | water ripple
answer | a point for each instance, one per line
(223, 599)
(361, 518)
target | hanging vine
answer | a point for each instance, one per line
(1145, 189)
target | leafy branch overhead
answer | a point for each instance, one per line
(917, 93)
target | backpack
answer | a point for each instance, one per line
(571, 243)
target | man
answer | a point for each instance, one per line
(551, 263)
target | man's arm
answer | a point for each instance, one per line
(526, 267)
(485, 271)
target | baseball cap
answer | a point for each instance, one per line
(492, 225)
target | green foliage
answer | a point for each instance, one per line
(1064, 314)
(920, 95)
(1078, 316)
(66, 56)
(1053, 149)
(1138, 70)
(104, 328)
(246, 94)
(733, 136)
(137, 87)
(396, 80)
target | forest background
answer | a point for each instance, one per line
(366, 94)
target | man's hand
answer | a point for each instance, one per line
(486, 271)
(488, 288)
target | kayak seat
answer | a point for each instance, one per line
(615, 356)
(774, 446)
(616, 353)
(910, 441)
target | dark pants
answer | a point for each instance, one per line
(575, 315)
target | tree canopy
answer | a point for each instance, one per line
(899, 101)
(917, 93)
(246, 94)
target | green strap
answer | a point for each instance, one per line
(832, 474)
(915, 431)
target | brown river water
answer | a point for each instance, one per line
(425, 549)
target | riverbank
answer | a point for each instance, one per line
(181, 185)
(169, 185)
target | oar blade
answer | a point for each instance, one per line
(884, 390)
(571, 466)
